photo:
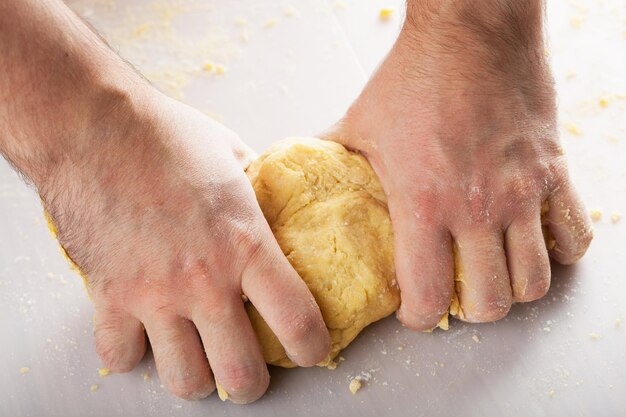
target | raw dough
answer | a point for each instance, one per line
(329, 214)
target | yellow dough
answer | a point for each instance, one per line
(329, 214)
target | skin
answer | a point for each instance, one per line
(459, 122)
(151, 200)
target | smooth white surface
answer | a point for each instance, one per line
(297, 77)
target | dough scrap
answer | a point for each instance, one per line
(329, 215)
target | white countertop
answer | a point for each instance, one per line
(291, 69)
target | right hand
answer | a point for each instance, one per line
(160, 216)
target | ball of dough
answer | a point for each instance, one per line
(329, 215)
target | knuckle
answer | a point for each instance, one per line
(521, 185)
(246, 238)
(300, 327)
(196, 273)
(522, 193)
(479, 200)
(112, 352)
(425, 202)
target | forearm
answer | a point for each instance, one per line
(59, 83)
(495, 36)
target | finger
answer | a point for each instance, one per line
(284, 301)
(482, 281)
(179, 356)
(232, 347)
(120, 339)
(569, 224)
(424, 269)
(527, 258)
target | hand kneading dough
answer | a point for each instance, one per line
(329, 214)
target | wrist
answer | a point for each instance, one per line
(95, 118)
(61, 87)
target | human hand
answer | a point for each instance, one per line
(459, 122)
(162, 219)
(150, 199)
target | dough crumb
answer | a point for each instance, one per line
(94, 387)
(618, 322)
(332, 365)
(270, 23)
(594, 335)
(385, 13)
(290, 11)
(573, 129)
(341, 5)
(241, 21)
(576, 22)
(146, 376)
(551, 393)
(141, 29)
(104, 371)
(616, 216)
(596, 214)
(355, 385)
(476, 338)
(603, 101)
(24, 369)
(220, 69)
(221, 392)
(208, 66)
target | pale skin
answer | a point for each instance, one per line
(151, 200)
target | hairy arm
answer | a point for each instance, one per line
(150, 199)
(488, 41)
(61, 85)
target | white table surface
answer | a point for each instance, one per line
(295, 77)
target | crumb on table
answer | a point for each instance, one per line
(573, 129)
(355, 385)
(596, 214)
(385, 13)
(220, 69)
(603, 101)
